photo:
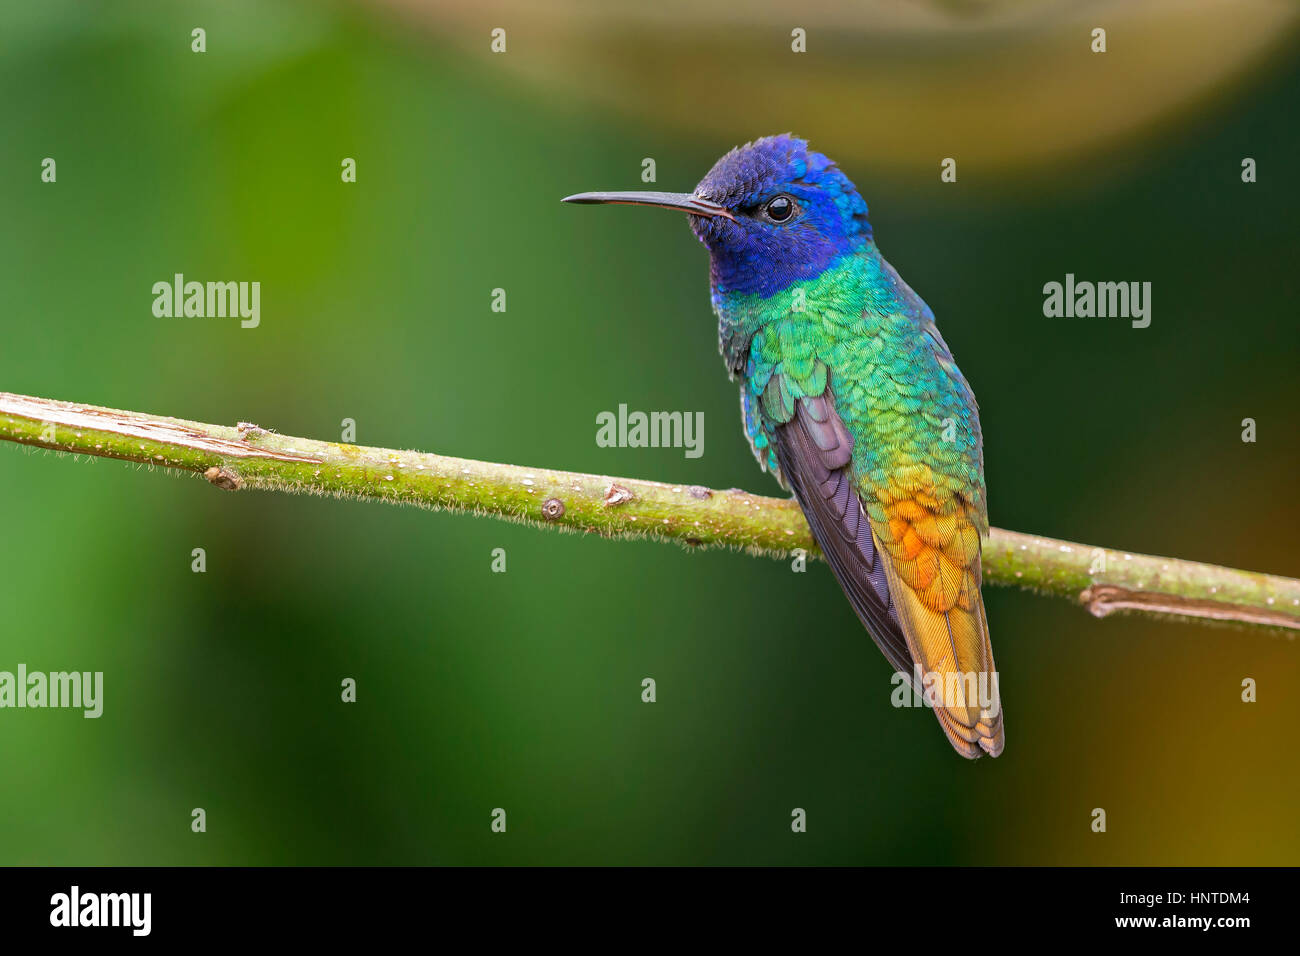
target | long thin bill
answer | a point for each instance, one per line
(681, 202)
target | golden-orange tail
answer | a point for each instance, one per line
(941, 611)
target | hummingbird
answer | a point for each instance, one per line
(852, 400)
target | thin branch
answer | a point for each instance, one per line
(248, 457)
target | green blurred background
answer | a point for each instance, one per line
(522, 690)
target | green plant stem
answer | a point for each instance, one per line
(247, 457)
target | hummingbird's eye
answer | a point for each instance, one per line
(779, 209)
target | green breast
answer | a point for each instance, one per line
(861, 330)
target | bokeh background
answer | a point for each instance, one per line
(522, 690)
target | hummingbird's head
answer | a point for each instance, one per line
(771, 212)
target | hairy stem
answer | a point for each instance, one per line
(248, 457)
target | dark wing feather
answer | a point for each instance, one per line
(815, 450)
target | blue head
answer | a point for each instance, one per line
(792, 214)
(771, 212)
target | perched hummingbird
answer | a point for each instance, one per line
(852, 399)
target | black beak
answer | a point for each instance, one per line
(681, 202)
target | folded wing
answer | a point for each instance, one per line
(912, 574)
